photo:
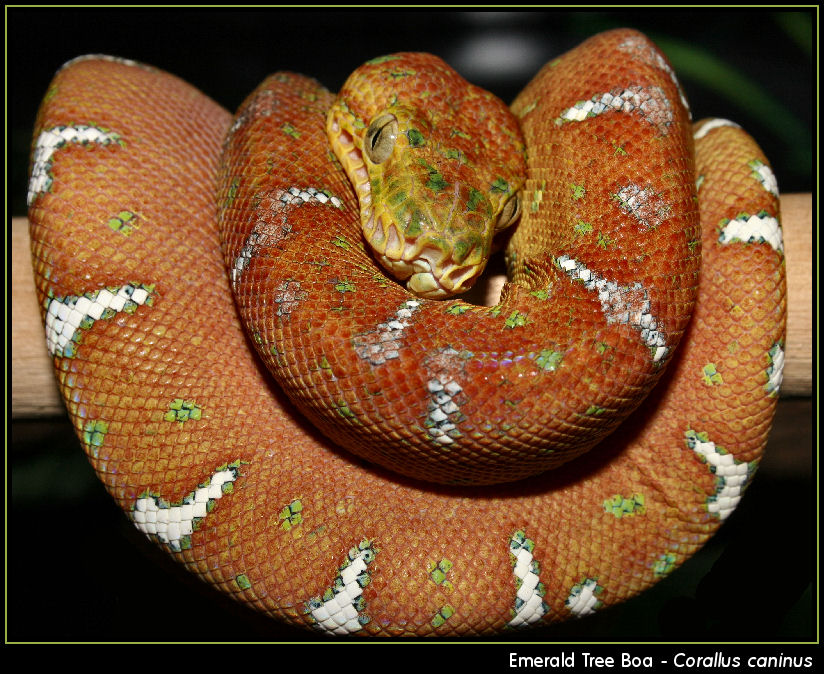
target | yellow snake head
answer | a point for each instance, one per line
(435, 179)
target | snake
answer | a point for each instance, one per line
(256, 328)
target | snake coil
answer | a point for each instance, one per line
(463, 530)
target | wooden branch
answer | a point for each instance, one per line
(34, 389)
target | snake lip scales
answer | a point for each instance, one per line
(157, 314)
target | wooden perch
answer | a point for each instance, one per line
(34, 388)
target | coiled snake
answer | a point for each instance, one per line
(460, 529)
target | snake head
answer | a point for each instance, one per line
(436, 163)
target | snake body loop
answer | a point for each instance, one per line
(242, 485)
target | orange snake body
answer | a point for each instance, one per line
(207, 456)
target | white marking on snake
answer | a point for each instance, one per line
(730, 475)
(287, 296)
(298, 196)
(51, 140)
(775, 371)
(65, 316)
(382, 344)
(713, 124)
(529, 604)
(629, 304)
(764, 174)
(338, 611)
(267, 234)
(651, 102)
(582, 599)
(172, 524)
(102, 57)
(746, 228)
(646, 52)
(643, 204)
(440, 422)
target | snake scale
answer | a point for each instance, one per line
(431, 510)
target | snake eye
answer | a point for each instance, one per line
(510, 213)
(380, 138)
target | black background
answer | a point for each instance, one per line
(77, 570)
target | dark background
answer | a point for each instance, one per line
(77, 570)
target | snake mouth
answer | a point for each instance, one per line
(427, 268)
(425, 275)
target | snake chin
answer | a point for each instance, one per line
(421, 280)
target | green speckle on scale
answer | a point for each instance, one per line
(182, 410)
(549, 360)
(457, 309)
(476, 197)
(382, 59)
(290, 130)
(519, 540)
(436, 182)
(445, 613)
(345, 286)
(232, 192)
(342, 408)
(578, 191)
(437, 573)
(94, 433)
(500, 185)
(124, 223)
(604, 241)
(291, 515)
(516, 320)
(692, 436)
(413, 227)
(243, 582)
(594, 410)
(625, 507)
(415, 138)
(340, 242)
(582, 228)
(664, 564)
(712, 375)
